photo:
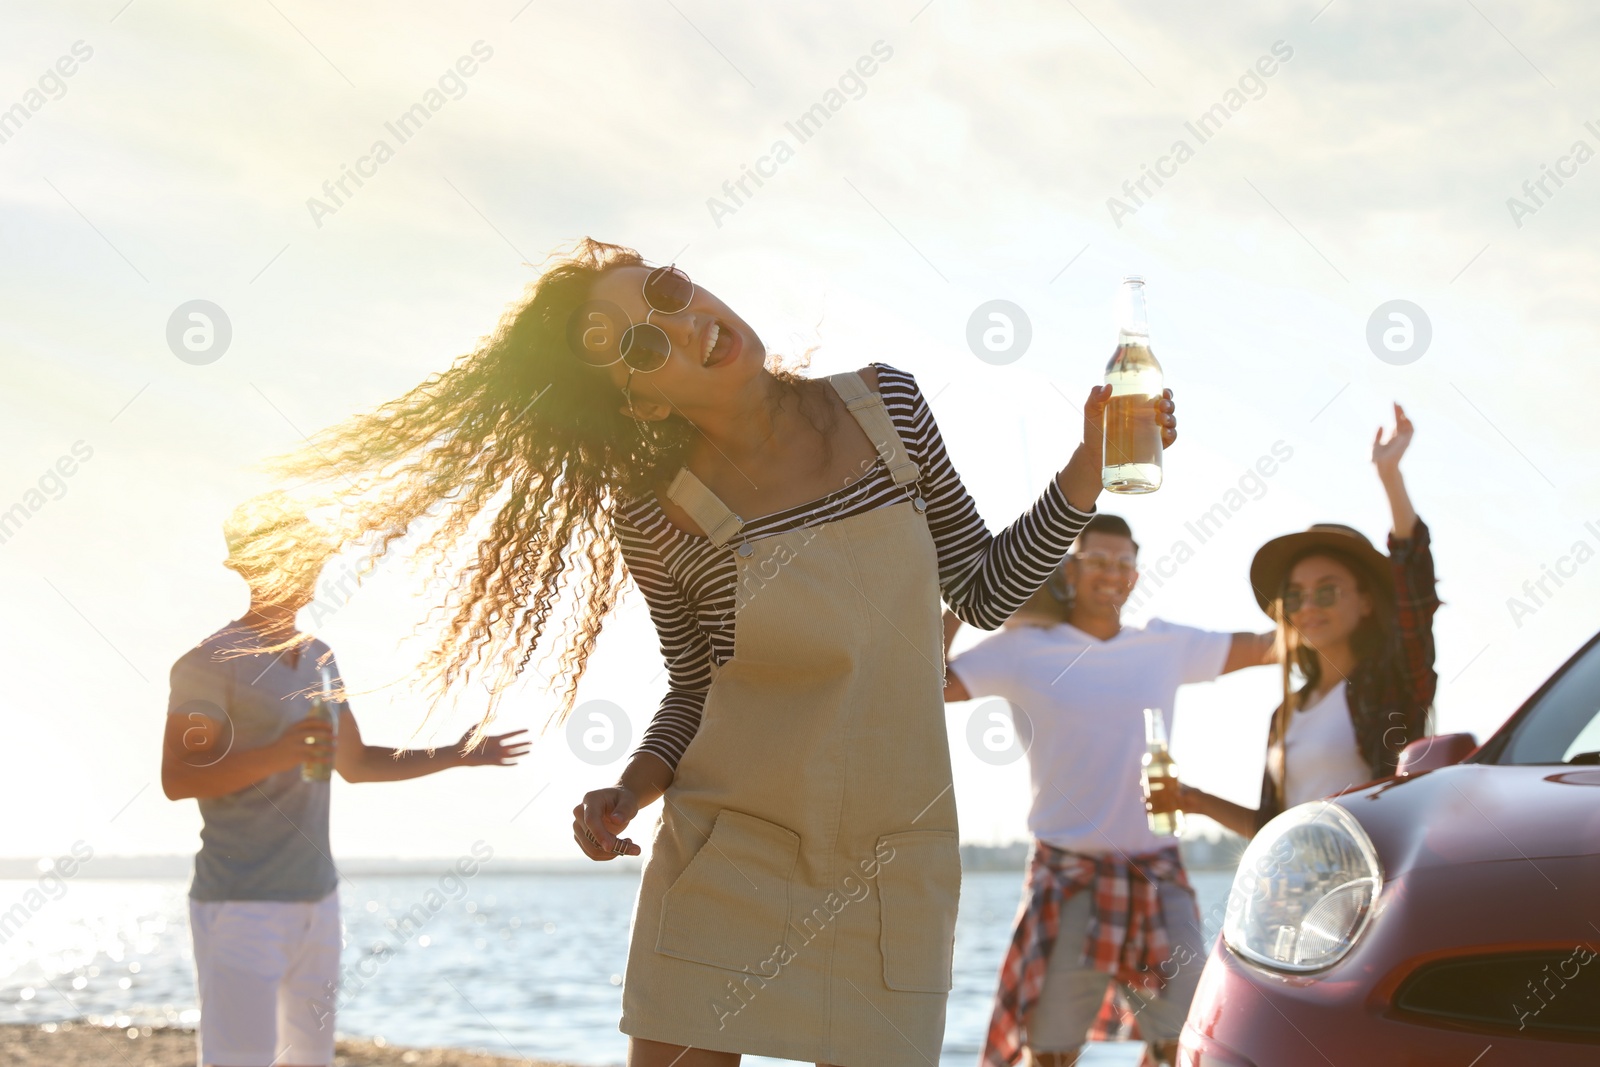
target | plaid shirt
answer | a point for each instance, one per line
(1126, 935)
(1390, 692)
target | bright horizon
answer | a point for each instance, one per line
(1390, 155)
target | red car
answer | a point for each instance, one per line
(1449, 915)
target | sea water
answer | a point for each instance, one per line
(517, 965)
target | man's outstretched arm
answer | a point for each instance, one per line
(357, 761)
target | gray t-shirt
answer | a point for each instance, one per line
(267, 841)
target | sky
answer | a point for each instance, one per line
(1335, 158)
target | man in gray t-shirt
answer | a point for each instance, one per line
(263, 906)
(268, 840)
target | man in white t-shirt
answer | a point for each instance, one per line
(1102, 886)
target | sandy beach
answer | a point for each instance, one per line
(86, 1045)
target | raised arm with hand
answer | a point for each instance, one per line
(985, 577)
(1411, 651)
(1386, 457)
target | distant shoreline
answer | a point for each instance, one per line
(182, 866)
(1199, 853)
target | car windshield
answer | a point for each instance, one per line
(1564, 726)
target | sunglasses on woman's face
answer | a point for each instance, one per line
(645, 346)
(1325, 596)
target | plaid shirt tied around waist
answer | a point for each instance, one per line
(1126, 934)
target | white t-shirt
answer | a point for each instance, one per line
(1085, 699)
(1319, 751)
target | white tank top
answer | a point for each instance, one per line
(1319, 751)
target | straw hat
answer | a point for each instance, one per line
(1273, 559)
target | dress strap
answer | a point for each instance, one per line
(704, 507)
(868, 409)
(722, 525)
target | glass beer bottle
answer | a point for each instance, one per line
(1131, 461)
(320, 768)
(1159, 777)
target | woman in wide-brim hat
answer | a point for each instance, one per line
(1355, 639)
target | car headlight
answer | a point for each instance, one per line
(1304, 889)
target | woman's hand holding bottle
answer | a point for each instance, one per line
(1081, 479)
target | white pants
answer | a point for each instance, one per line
(267, 973)
(1073, 991)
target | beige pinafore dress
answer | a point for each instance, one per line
(800, 897)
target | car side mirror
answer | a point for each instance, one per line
(1431, 753)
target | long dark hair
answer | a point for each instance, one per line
(518, 453)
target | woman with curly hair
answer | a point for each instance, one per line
(792, 538)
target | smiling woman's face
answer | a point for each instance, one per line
(1321, 578)
(715, 353)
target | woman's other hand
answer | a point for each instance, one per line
(603, 815)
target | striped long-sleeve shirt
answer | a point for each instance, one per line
(689, 584)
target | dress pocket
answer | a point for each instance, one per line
(730, 906)
(919, 886)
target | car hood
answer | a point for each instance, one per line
(1480, 813)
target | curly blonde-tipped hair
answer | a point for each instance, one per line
(519, 451)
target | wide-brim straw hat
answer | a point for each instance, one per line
(1273, 560)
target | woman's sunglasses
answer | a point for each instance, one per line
(644, 346)
(1325, 596)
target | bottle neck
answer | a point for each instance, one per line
(1133, 322)
(1155, 732)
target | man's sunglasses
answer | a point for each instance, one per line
(1100, 563)
(1325, 596)
(644, 346)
